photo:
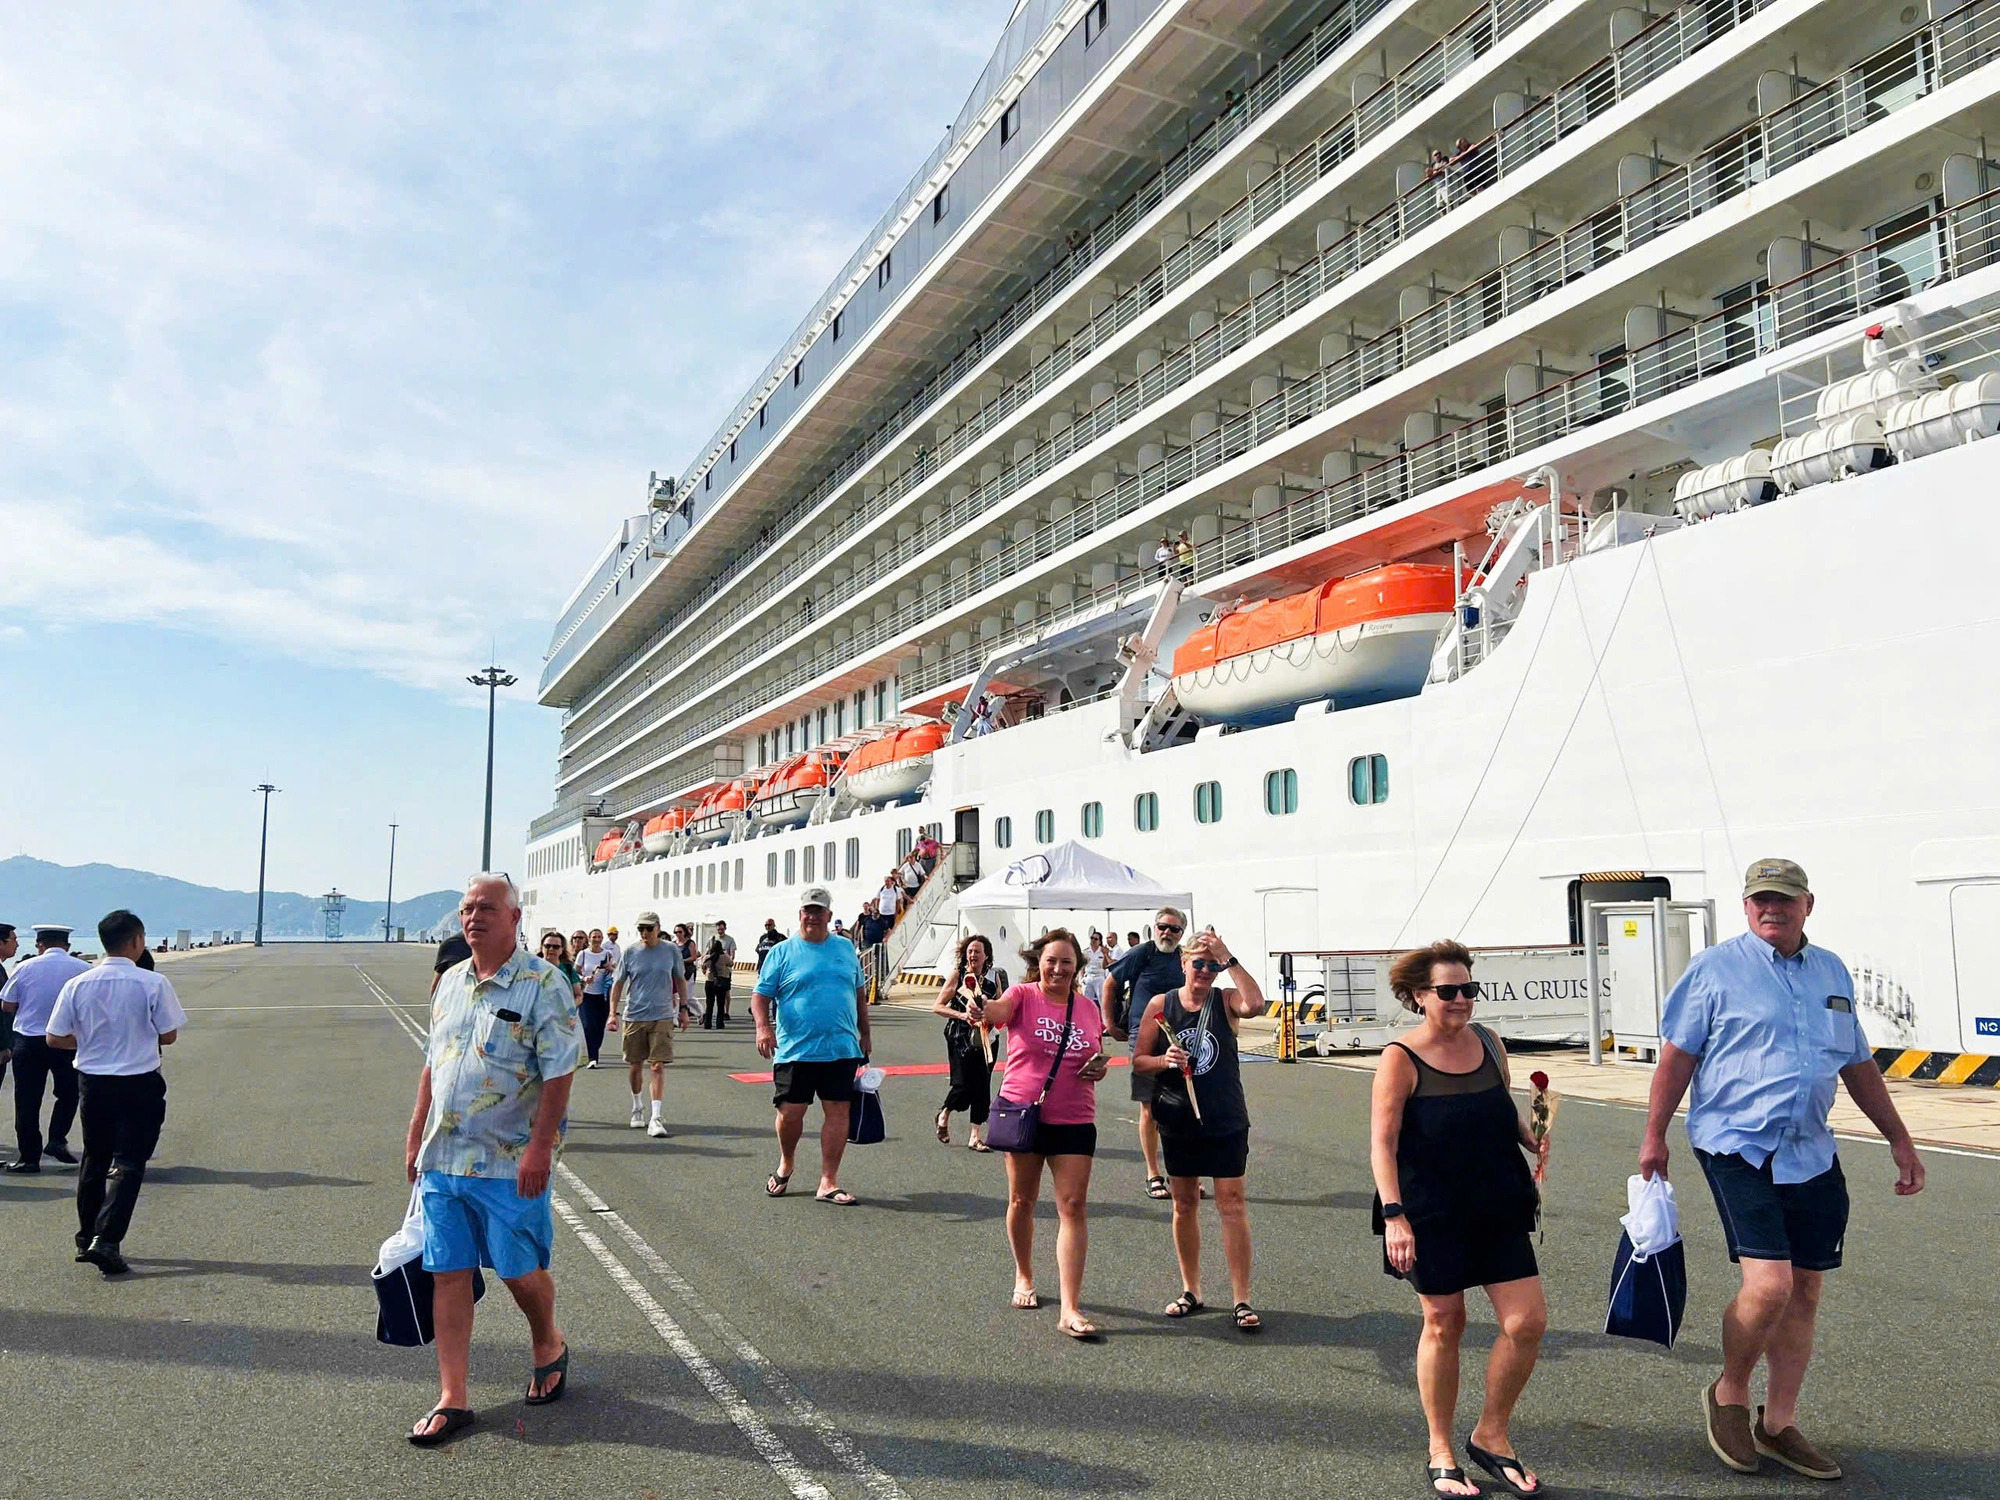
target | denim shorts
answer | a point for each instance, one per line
(1802, 1222)
(484, 1221)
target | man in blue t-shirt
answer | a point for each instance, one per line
(1145, 970)
(811, 1011)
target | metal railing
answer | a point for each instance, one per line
(1473, 170)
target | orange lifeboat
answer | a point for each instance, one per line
(658, 836)
(720, 812)
(788, 796)
(1353, 640)
(894, 766)
(608, 847)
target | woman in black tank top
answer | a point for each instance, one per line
(1187, 1040)
(1455, 1202)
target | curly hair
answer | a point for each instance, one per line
(1031, 955)
(1412, 972)
(958, 959)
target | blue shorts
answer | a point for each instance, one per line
(1802, 1222)
(484, 1221)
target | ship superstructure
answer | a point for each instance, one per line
(1390, 468)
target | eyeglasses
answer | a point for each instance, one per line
(1168, 927)
(553, 943)
(648, 928)
(1450, 992)
(1207, 966)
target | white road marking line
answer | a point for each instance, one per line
(357, 1005)
(809, 1416)
(767, 1443)
(770, 1447)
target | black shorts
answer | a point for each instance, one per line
(1802, 1222)
(1451, 1258)
(1144, 1085)
(1063, 1140)
(1206, 1155)
(799, 1082)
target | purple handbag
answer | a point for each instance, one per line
(1013, 1127)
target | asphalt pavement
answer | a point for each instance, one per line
(730, 1345)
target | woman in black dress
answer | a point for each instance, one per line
(1187, 1041)
(962, 1003)
(1455, 1202)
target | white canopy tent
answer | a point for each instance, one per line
(1070, 877)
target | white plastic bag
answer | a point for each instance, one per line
(1653, 1220)
(407, 1243)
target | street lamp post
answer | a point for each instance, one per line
(492, 679)
(389, 903)
(263, 842)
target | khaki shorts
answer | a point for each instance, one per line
(649, 1041)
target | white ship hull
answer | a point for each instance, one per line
(1797, 680)
(1363, 663)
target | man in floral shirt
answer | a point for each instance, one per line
(491, 1102)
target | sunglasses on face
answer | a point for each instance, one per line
(1207, 966)
(1450, 992)
(1167, 927)
(553, 943)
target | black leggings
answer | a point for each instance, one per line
(715, 1010)
(594, 1011)
(971, 1076)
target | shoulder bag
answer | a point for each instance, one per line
(1012, 1127)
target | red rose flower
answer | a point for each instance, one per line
(1539, 1080)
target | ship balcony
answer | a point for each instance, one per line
(1658, 205)
(1135, 319)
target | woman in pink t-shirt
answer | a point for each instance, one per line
(1032, 1014)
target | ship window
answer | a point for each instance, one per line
(791, 738)
(906, 840)
(791, 867)
(795, 371)
(1368, 780)
(1045, 826)
(677, 882)
(1208, 802)
(708, 480)
(883, 271)
(829, 859)
(806, 873)
(1010, 122)
(941, 204)
(739, 874)
(1281, 793)
(732, 450)
(822, 726)
(1093, 820)
(860, 707)
(771, 868)
(1093, 21)
(854, 859)
(881, 700)
(1003, 833)
(760, 416)
(840, 718)
(836, 325)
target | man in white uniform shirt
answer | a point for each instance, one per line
(116, 1018)
(30, 996)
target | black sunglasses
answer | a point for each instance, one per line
(1450, 992)
(1167, 927)
(1207, 966)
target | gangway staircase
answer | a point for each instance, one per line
(928, 926)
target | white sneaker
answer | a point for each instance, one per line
(591, 1064)
(638, 1116)
(657, 1129)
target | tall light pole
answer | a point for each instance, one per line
(263, 842)
(492, 679)
(389, 904)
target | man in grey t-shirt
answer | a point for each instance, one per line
(647, 974)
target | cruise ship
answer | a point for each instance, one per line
(1387, 469)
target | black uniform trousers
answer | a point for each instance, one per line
(37, 1063)
(122, 1116)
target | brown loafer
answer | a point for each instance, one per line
(1791, 1449)
(1729, 1432)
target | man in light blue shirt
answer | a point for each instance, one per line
(811, 1011)
(1762, 1025)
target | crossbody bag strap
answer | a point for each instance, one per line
(1062, 1048)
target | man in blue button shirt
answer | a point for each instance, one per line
(1762, 1025)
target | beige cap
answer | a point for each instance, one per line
(816, 895)
(645, 919)
(1777, 876)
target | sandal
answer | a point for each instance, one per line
(776, 1183)
(1452, 1472)
(1027, 1299)
(1156, 1187)
(978, 1146)
(1185, 1305)
(1083, 1331)
(1504, 1467)
(1247, 1319)
(944, 1126)
(839, 1196)
(456, 1420)
(559, 1367)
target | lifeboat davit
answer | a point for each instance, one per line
(1354, 640)
(788, 796)
(660, 830)
(720, 811)
(896, 765)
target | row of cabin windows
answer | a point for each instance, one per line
(804, 866)
(556, 857)
(1367, 785)
(699, 880)
(825, 723)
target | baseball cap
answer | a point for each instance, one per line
(816, 895)
(645, 919)
(453, 950)
(1777, 876)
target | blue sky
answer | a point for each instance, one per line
(338, 340)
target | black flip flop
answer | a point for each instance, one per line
(557, 1366)
(839, 1197)
(1434, 1472)
(776, 1183)
(1503, 1468)
(456, 1420)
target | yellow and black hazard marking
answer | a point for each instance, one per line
(1309, 1010)
(1973, 1070)
(919, 978)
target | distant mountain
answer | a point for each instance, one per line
(33, 890)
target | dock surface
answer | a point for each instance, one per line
(729, 1345)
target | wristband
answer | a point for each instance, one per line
(1392, 1211)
